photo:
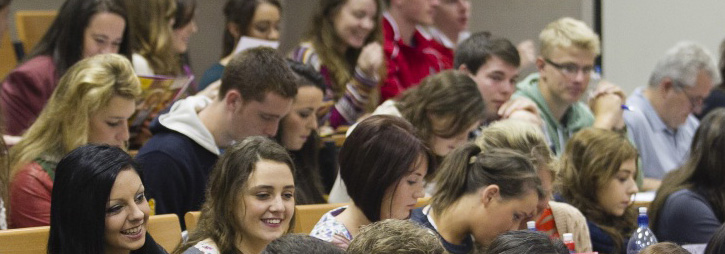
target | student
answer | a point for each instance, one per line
(597, 177)
(409, 55)
(395, 236)
(444, 109)
(690, 204)
(256, 92)
(250, 200)
(253, 18)
(493, 63)
(91, 104)
(479, 196)
(568, 50)
(152, 38)
(184, 27)
(383, 164)
(343, 42)
(552, 218)
(99, 204)
(297, 132)
(83, 28)
(450, 23)
(4, 170)
(526, 242)
(300, 244)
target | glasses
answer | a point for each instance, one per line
(570, 70)
(697, 102)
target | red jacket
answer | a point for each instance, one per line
(408, 65)
(25, 91)
(30, 193)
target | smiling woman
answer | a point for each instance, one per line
(99, 204)
(249, 202)
(91, 104)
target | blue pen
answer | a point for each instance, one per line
(629, 108)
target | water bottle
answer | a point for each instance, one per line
(643, 236)
(568, 239)
(531, 225)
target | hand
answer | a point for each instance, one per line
(606, 104)
(371, 59)
(527, 51)
(211, 91)
(517, 104)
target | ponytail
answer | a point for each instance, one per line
(467, 169)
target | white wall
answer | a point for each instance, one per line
(637, 33)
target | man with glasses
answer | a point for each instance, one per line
(662, 123)
(568, 50)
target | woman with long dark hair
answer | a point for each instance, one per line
(99, 204)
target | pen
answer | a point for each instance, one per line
(629, 108)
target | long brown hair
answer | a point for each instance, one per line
(151, 34)
(702, 172)
(227, 180)
(324, 39)
(591, 158)
(447, 94)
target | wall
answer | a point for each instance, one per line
(636, 35)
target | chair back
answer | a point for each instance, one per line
(32, 25)
(24, 240)
(191, 218)
(8, 59)
(306, 216)
(166, 230)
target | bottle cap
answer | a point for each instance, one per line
(531, 224)
(643, 210)
(568, 237)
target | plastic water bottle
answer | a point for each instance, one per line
(643, 236)
(568, 239)
(531, 225)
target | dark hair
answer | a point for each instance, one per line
(702, 172)
(257, 71)
(716, 245)
(301, 244)
(185, 12)
(467, 169)
(591, 158)
(322, 35)
(379, 152)
(227, 179)
(82, 185)
(477, 49)
(526, 242)
(449, 93)
(64, 39)
(307, 177)
(240, 13)
(4, 3)
(393, 236)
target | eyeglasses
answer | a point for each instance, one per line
(697, 102)
(570, 70)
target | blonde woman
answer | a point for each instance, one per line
(152, 40)
(552, 218)
(91, 104)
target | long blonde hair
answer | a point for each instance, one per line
(151, 34)
(63, 125)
